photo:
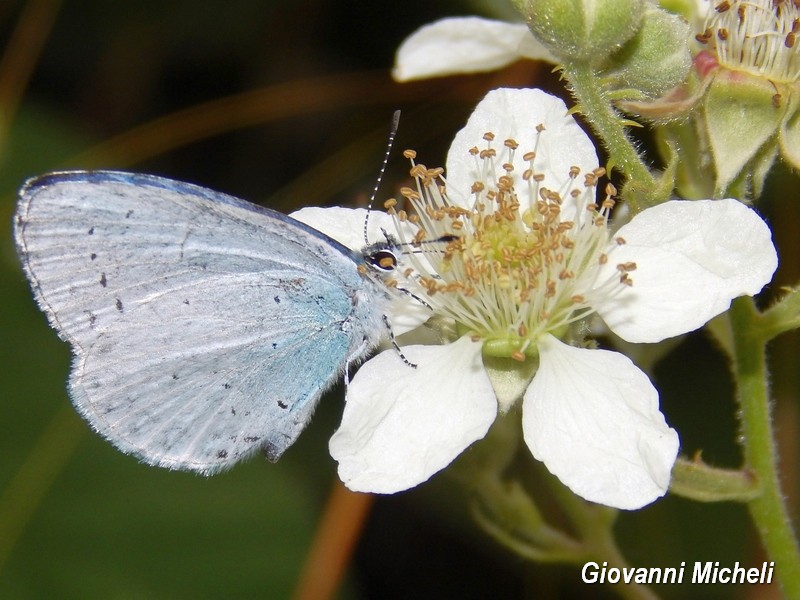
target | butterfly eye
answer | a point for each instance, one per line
(383, 260)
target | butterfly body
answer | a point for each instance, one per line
(203, 327)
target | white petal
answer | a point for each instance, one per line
(592, 417)
(401, 425)
(465, 45)
(346, 226)
(692, 258)
(515, 113)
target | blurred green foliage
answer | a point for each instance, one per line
(80, 520)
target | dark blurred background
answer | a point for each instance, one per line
(287, 104)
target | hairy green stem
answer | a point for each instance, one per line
(698, 481)
(641, 188)
(768, 509)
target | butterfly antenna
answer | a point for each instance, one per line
(392, 135)
(396, 345)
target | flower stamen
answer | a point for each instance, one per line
(522, 260)
(758, 37)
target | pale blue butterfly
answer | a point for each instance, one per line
(203, 327)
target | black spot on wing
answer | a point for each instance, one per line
(119, 305)
(103, 280)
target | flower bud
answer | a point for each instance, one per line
(582, 30)
(657, 58)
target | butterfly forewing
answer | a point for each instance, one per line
(203, 327)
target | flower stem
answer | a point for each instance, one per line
(642, 188)
(701, 482)
(505, 509)
(768, 510)
(594, 524)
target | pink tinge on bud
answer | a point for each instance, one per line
(705, 62)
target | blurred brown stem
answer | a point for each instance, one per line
(333, 545)
(20, 56)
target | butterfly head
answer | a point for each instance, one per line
(381, 258)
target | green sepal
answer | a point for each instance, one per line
(760, 168)
(740, 118)
(790, 131)
(510, 378)
(693, 168)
